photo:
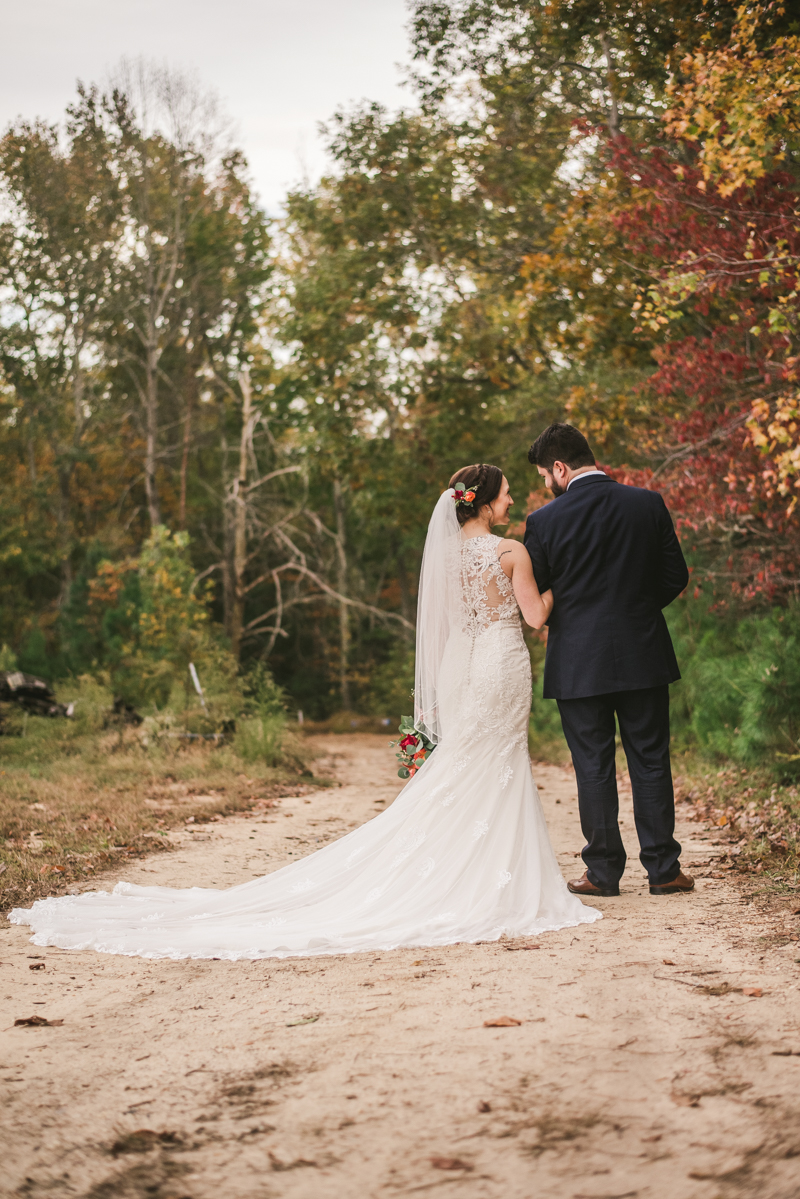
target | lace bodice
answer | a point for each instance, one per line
(487, 591)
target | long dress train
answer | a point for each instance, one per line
(463, 853)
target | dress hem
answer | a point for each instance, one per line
(53, 940)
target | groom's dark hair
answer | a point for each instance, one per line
(561, 443)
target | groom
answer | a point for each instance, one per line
(612, 558)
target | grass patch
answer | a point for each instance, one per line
(757, 818)
(79, 796)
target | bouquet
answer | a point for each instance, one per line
(415, 748)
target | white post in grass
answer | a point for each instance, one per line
(197, 686)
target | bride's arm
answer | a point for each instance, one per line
(516, 563)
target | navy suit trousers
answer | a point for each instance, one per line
(590, 730)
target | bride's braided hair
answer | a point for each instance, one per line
(482, 478)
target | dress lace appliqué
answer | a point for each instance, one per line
(486, 588)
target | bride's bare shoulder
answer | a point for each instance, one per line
(510, 553)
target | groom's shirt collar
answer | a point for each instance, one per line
(587, 474)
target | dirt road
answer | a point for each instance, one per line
(640, 1067)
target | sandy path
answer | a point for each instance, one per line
(621, 1081)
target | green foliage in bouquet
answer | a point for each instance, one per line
(414, 748)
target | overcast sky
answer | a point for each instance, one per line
(279, 66)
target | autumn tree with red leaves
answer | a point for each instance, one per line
(712, 220)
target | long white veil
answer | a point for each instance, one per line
(439, 612)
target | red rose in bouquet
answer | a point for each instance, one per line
(414, 748)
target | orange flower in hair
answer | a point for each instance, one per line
(462, 494)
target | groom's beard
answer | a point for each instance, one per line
(556, 489)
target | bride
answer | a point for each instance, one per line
(462, 854)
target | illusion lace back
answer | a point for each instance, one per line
(462, 854)
(488, 595)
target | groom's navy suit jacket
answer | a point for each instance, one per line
(612, 558)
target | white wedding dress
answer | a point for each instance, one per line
(463, 853)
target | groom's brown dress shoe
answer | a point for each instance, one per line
(582, 886)
(683, 883)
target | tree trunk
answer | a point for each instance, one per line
(227, 532)
(240, 517)
(187, 438)
(31, 447)
(344, 617)
(64, 539)
(151, 429)
(65, 473)
(613, 109)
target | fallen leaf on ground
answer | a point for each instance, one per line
(668, 961)
(452, 1163)
(513, 948)
(38, 1022)
(36, 966)
(622, 1195)
(756, 992)
(581, 1016)
(501, 1022)
(786, 1053)
(142, 1140)
(483, 1106)
(304, 1020)
(277, 1164)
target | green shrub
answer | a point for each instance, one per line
(261, 738)
(147, 624)
(545, 737)
(391, 690)
(92, 702)
(260, 732)
(740, 694)
(8, 659)
(33, 655)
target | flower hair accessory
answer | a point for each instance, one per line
(462, 494)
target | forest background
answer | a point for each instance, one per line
(221, 436)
